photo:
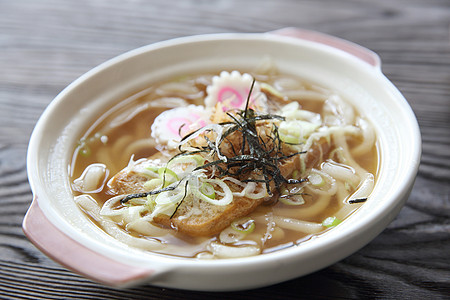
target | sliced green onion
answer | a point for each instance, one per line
(85, 150)
(289, 108)
(290, 133)
(294, 199)
(226, 195)
(167, 175)
(331, 222)
(153, 169)
(347, 186)
(271, 90)
(208, 190)
(188, 159)
(296, 131)
(229, 236)
(152, 184)
(199, 159)
(316, 179)
(244, 225)
(289, 139)
(151, 202)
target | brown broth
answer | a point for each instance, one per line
(115, 157)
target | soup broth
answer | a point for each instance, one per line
(327, 158)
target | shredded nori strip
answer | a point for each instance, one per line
(142, 195)
(178, 205)
(359, 200)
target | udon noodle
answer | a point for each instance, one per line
(161, 170)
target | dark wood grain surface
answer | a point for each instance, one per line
(46, 44)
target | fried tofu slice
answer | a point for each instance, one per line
(209, 219)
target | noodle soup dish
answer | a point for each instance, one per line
(225, 165)
(220, 162)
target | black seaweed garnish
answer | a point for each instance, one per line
(145, 194)
(258, 158)
(359, 200)
(255, 156)
(182, 199)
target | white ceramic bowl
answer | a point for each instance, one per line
(56, 226)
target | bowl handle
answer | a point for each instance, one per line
(360, 52)
(76, 257)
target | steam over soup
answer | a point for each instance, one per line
(225, 165)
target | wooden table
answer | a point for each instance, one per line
(44, 45)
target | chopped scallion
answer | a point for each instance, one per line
(290, 139)
(199, 159)
(85, 150)
(316, 179)
(151, 202)
(152, 168)
(331, 222)
(245, 225)
(167, 176)
(295, 199)
(208, 190)
(153, 184)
